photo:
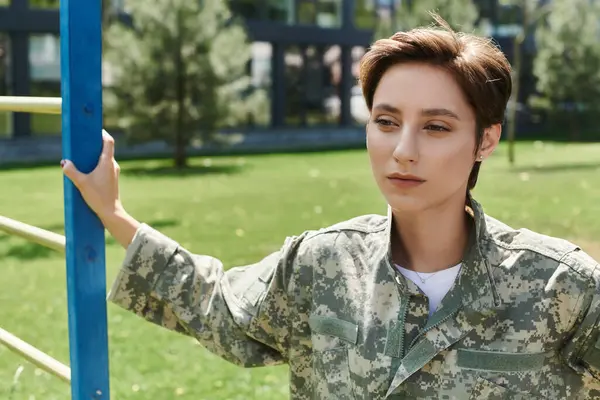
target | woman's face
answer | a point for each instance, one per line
(421, 138)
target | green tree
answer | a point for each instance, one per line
(530, 14)
(179, 74)
(461, 15)
(567, 64)
(364, 14)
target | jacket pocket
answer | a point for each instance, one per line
(509, 368)
(331, 372)
(486, 390)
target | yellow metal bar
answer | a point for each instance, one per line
(33, 234)
(35, 356)
(38, 105)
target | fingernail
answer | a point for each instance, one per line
(62, 163)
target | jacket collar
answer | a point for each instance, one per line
(476, 288)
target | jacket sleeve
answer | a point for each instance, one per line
(242, 314)
(582, 350)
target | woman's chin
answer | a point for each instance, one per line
(406, 202)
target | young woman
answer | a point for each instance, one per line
(436, 300)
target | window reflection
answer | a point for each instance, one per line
(358, 108)
(313, 80)
(260, 72)
(6, 127)
(332, 81)
(329, 13)
(294, 93)
(324, 13)
(281, 11)
(245, 8)
(44, 75)
(307, 12)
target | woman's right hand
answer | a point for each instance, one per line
(99, 188)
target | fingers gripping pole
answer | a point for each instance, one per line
(81, 93)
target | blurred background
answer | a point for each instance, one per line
(241, 122)
(296, 73)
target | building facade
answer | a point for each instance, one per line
(305, 55)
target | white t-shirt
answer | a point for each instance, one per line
(435, 285)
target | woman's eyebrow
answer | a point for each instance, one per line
(429, 112)
(434, 112)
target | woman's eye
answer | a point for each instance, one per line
(383, 122)
(437, 128)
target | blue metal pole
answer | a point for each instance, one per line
(81, 91)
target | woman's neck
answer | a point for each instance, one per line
(431, 240)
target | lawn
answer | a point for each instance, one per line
(239, 209)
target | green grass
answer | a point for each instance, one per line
(239, 209)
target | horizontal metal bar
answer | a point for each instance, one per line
(37, 105)
(35, 356)
(33, 234)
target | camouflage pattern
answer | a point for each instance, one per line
(521, 321)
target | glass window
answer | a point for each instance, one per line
(307, 12)
(324, 13)
(331, 64)
(332, 60)
(313, 78)
(294, 93)
(44, 62)
(260, 71)
(245, 8)
(313, 85)
(281, 10)
(329, 13)
(44, 3)
(358, 108)
(323, 78)
(509, 13)
(6, 120)
(509, 20)
(486, 8)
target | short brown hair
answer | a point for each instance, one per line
(479, 67)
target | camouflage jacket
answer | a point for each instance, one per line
(522, 320)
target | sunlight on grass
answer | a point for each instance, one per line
(239, 209)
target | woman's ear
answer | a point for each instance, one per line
(489, 142)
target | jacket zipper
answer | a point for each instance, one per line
(404, 309)
(428, 328)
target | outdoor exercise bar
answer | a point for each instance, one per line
(35, 356)
(38, 105)
(33, 233)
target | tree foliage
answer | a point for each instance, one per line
(567, 64)
(179, 74)
(461, 15)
